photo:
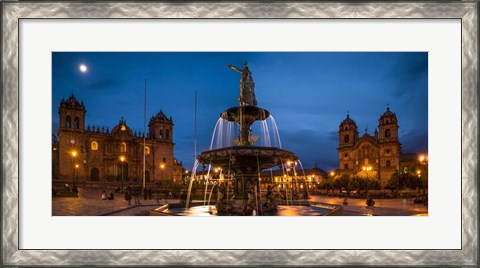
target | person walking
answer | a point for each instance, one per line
(136, 195)
(157, 196)
(128, 197)
(75, 189)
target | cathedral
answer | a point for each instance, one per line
(100, 155)
(378, 156)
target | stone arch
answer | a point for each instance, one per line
(68, 122)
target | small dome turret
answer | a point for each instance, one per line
(388, 117)
(348, 123)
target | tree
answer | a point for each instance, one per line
(355, 183)
(402, 180)
(344, 183)
(326, 184)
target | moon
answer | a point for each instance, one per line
(83, 68)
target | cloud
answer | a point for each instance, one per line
(415, 141)
(333, 136)
(103, 84)
(311, 147)
(409, 72)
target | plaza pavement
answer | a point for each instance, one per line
(383, 207)
(89, 203)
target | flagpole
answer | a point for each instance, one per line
(144, 128)
(195, 132)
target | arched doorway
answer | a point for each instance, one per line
(94, 174)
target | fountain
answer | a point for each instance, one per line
(245, 160)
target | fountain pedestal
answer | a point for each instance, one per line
(245, 161)
(245, 164)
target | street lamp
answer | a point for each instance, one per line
(367, 169)
(422, 159)
(76, 173)
(162, 166)
(122, 159)
(74, 156)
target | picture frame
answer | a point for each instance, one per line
(13, 11)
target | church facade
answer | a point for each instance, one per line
(98, 154)
(377, 156)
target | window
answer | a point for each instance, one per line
(94, 146)
(387, 151)
(387, 133)
(68, 122)
(77, 123)
(147, 150)
(164, 160)
(346, 139)
(167, 134)
(387, 163)
(345, 155)
(123, 147)
(161, 135)
(345, 166)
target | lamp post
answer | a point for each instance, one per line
(75, 166)
(186, 175)
(162, 167)
(122, 159)
(331, 184)
(367, 169)
(76, 173)
(423, 170)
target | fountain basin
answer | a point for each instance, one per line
(250, 113)
(283, 210)
(246, 158)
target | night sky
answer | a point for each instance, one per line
(308, 93)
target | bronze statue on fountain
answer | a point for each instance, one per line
(245, 160)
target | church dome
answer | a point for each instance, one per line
(122, 129)
(388, 117)
(348, 122)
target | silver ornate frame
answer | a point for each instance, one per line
(12, 11)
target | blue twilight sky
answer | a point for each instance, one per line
(308, 93)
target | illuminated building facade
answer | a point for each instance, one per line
(98, 154)
(378, 156)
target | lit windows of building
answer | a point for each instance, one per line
(94, 146)
(123, 147)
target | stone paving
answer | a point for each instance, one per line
(383, 207)
(89, 203)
